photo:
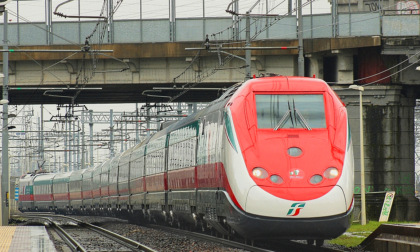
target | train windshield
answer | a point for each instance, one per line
(290, 111)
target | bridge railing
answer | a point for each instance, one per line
(195, 29)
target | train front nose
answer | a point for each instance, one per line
(260, 202)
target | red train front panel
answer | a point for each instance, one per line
(288, 149)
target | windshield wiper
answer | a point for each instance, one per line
(299, 116)
(283, 120)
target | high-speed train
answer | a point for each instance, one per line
(270, 159)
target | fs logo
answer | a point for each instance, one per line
(295, 209)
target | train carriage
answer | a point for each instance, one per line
(61, 193)
(96, 188)
(137, 185)
(113, 184)
(87, 187)
(75, 191)
(43, 192)
(26, 192)
(155, 176)
(182, 181)
(123, 189)
(104, 184)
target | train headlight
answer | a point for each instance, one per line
(294, 152)
(259, 173)
(331, 173)
(276, 179)
(316, 179)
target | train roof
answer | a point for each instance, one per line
(88, 172)
(215, 105)
(44, 178)
(77, 175)
(62, 177)
(285, 83)
(106, 166)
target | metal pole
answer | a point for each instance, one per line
(110, 22)
(111, 129)
(141, 21)
(126, 137)
(41, 135)
(362, 162)
(40, 163)
(74, 143)
(122, 137)
(362, 157)
(5, 133)
(91, 136)
(301, 60)
(147, 120)
(236, 21)
(266, 19)
(48, 20)
(66, 152)
(78, 163)
(172, 18)
(56, 168)
(79, 23)
(334, 17)
(248, 44)
(83, 141)
(18, 21)
(70, 149)
(157, 116)
(137, 124)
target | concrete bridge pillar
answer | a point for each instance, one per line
(388, 113)
(315, 66)
(336, 67)
(345, 67)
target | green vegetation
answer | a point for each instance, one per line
(356, 234)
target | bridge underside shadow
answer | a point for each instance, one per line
(121, 93)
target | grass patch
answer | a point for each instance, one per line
(347, 241)
(356, 234)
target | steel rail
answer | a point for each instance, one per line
(228, 243)
(66, 237)
(114, 236)
(110, 234)
(282, 245)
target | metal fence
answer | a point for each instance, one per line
(195, 29)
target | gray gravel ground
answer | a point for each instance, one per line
(164, 241)
(159, 240)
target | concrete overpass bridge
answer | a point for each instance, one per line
(149, 63)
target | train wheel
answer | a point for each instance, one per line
(319, 243)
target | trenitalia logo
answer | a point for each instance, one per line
(295, 209)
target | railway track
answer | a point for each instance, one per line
(283, 245)
(82, 236)
(77, 229)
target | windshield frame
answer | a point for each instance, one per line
(292, 116)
